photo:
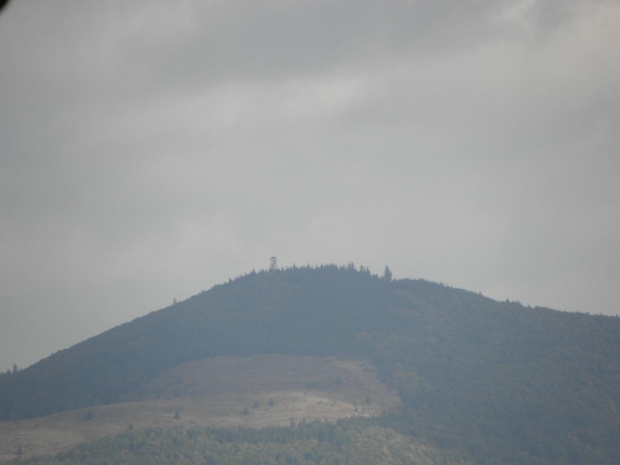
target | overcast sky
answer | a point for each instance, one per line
(152, 149)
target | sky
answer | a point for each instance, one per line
(150, 150)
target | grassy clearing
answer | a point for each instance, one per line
(275, 389)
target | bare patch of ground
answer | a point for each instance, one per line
(255, 391)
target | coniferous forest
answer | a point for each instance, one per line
(481, 381)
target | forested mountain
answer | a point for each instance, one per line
(500, 382)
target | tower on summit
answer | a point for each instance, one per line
(273, 265)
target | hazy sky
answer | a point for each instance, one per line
(152, 149)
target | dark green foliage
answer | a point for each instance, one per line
(505, 383)
(529, 382)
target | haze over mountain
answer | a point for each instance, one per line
(152, 149)
(495, 382)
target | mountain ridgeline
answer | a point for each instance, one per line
(501, 382)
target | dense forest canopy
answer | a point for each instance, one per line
(499, 381)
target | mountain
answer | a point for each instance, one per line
(496, 381)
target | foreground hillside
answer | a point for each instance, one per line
(345, 442)
(255, 391)
(498, 381)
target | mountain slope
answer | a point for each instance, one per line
(499, 381)
(297, 312)
(347, 442)
(228, 391)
